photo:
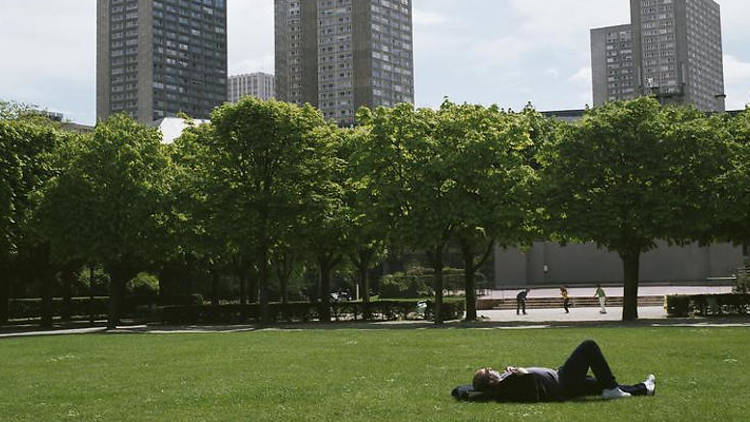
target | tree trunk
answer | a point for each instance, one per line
(46, 293)
(215, 288)
(243, 286)
(284, 271)
(631, 266)
(91, 294)
(470, 269)
(364, 259)
(254, 286)
(68, 276)
(118, 280)
(283, 282)
(265, 314)
(4, 293)
(471, 296)
(324, 312)
(437, 265)
(45, 278)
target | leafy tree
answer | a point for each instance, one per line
(25, 166)
(370, 218)
(733, 204)
(108, 204)
(199, 230)
(327, 218)
(487, 184)
(632, 173)
(409, 167)
(265, 160)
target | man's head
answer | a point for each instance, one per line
(485, 378)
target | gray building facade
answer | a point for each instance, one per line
(339, 55)
(676, 55)
(259, 85)
(612, 69)
(157, 58)
(584, 263)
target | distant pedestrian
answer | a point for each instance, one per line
(521, 301)
(566, 299)
(602, 298)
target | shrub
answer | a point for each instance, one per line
(417, 282)
(387, 310)
(743, 282)
(79, 306)
(706, 305)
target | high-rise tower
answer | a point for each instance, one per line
(676, 55)
(157, 58)
(339, 55)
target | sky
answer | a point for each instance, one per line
(505, 52)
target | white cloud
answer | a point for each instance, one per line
(736, 82)
(582, 76)
(426, 18)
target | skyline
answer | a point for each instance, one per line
(506, 52)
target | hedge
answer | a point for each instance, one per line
(79, 306)
(707, 305)
(384, 310)
(31, 308)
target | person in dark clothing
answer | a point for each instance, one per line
(521, 301)
(566, 299)
(570, 381)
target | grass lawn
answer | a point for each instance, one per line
(360, 375)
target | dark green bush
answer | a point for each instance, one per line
(678, 305)
(707, 305)
(79, 306)
(417, 282)
(306, 311)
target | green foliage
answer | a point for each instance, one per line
(80, 307)
(732, 201)
(108, 204)
(144, 285)
(380, 310)
(742, 285)
(25, 166)
(268, 159)
(417, 282)
(631, 173)
(708, 305)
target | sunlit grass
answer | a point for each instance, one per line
(359, 375)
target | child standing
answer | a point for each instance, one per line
(602, 298)
(566, 299)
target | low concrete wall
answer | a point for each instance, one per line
(586, 264)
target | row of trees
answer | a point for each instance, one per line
(267, 185)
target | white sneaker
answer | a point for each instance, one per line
(614, 393)
(650, 384)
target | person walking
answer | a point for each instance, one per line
(521, 301)
(566, 299)
(602, 298)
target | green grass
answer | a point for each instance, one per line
(360, 375)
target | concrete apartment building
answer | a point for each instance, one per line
(339, 55)
(612, 67)
(675, 50)
(157, 58)
(260, 85)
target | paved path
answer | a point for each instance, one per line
(610, 291)
(575, 315)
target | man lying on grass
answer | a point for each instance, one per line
(570, 381)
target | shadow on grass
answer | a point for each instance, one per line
(97, 328)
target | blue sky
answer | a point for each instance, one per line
(507, 52)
